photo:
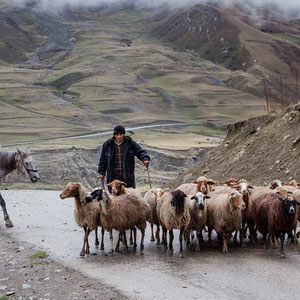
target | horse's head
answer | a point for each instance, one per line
(25, 165)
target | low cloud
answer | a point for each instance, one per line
(289, 6)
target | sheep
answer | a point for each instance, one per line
(275, 214)
(173, 213)
(244, 188)
(224, 214)
(152, 197)
(121, 213)
(202, 184)
(86, 215)
(198, 213)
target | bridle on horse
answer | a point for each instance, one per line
(21, 162)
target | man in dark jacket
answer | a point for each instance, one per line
(117, 158)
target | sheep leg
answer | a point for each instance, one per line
(82, 253)
(281, 245)
(157, 235)
(180, 241)
(198, 242)
(111, 243)
(142, 239)
(235, 238)
(7, 220)
(165, 242)
(87, 246)
(266, 241)
(123, 239)
(134, 239)
(152, 233)
(209, 234)
(225, 248)
(102, 239)
(242, 234)
(117, 249)
(201, 236)
(130, 239)
(171, 236)
(96, 237)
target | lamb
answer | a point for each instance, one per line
(275, 214)
(121, 213)
(152, 197)
(173, 213)
(224, 214)
(86, 215)
(244, 188)
(198, 213)
(202, 184)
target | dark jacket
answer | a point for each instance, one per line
(130, 149)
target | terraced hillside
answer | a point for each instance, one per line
(116, 71)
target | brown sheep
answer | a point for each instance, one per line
(224, 214)
(118, 188)
(121, 213)
(152, 197)
(275, 214)
(244, 188)
(202, 184)
(174, 214)
(198, 213)
(87, 215)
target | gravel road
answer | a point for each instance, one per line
(45, 222)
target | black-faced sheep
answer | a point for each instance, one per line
(275, 214)
(173, 213)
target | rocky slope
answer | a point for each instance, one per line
(258, 149)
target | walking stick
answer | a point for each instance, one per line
(149, 180)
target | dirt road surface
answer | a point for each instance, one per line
(45, 222)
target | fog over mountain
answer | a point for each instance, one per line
(56, 5)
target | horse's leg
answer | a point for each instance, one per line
(8, 222)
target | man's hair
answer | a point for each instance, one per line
(119, 129)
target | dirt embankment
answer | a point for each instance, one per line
(259, 149)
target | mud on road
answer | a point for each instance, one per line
(46, 222)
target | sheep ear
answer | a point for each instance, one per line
(280, 198)
(123, 183)
(289, 192)
(19, 152)
(251, 187)
(109, 184)
(194, 181)
(165, 190)
(207, 197)
(193, 198)
(298, 203)
(211, 182)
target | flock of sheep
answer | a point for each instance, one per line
(236, 207)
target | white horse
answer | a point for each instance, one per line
(23, 163)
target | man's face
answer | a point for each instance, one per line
(119, 137)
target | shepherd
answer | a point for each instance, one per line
(23, 163)
(117, 158)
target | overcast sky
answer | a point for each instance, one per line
(288, 5)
